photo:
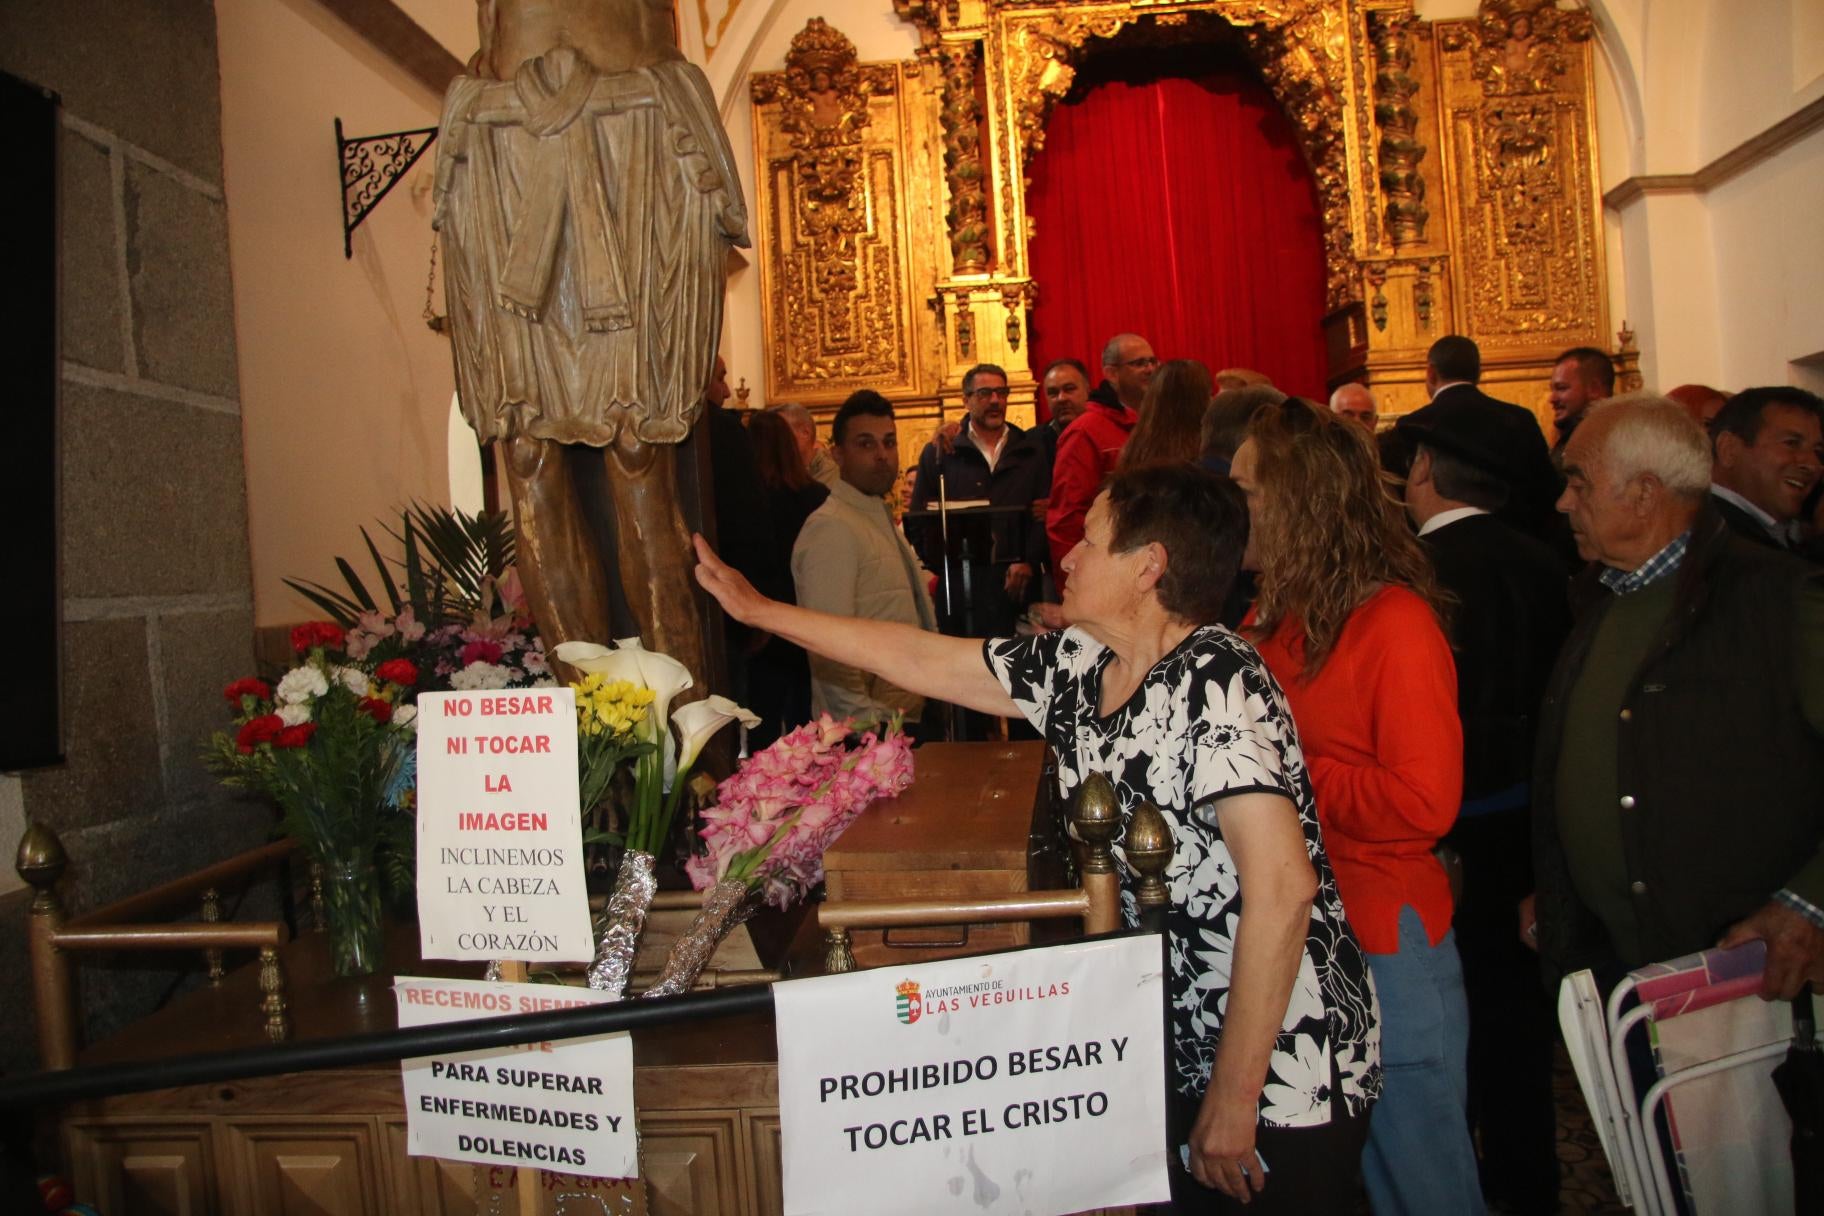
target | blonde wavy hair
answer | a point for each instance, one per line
(1328, 532)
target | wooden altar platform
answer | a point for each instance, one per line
(333, 1142)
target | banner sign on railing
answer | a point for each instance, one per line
(500, 846)
(1029, 1082)
(565, 1105)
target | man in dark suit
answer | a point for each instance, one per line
(1512, 615)
(1453, 368)
(1768, 444)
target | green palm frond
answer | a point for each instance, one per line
(449, 559)
(471, 550)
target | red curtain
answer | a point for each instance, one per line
(1180, 209)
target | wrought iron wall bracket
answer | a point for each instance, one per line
(371, 166)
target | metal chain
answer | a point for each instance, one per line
(437, 323)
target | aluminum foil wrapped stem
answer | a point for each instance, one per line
(725, 906)
(626, 920)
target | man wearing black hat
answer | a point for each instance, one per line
(1512, 616)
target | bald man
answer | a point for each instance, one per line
(1354, 402)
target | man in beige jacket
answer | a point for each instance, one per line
(850, 559)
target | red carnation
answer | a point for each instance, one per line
(259, 690)
(402, 672)
(316, 633)
(375, 708)
(295, 736)
(263, 729)
(481, 650)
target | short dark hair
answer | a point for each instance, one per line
(862, 402)
(1055, 364)
(1460, 481)
(1593, 364)
(1199, 518)
(1743, 414)
(1225, 421)
(982, 369)
(1455, 357)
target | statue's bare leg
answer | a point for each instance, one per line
(653, 550)
(558, 561)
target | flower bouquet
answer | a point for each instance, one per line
(642, 732)
(772, 823)
(331, 745)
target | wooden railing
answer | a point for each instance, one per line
(55, 938)
(1095, 822)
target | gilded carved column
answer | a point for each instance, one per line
(1517, 115)
(830, 182)
(1398, 121)
(963, 170)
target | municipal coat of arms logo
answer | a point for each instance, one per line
(907, 1004)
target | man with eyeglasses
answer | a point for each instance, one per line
(989, 459)
(1088, 450)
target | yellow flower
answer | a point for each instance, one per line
(613, 706)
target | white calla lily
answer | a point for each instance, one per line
(630, 661)
(578, 653)
(700, 720)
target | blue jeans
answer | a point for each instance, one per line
(1419, 1160)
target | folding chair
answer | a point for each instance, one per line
(1703, 1022)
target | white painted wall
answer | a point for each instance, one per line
(1720, 286)
(344, 390)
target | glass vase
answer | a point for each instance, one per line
(351, 912)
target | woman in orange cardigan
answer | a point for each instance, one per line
(1347, 619)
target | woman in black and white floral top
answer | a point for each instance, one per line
(1275, 1042)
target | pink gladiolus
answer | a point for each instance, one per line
(778, 814)
(702, 872)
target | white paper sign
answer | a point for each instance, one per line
(500, 839)
(1030, 1082)
(565, 1105)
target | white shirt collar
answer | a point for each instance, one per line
(991, 454)
(1443, 519)
(1761, 517)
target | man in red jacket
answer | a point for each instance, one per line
(1089, 447)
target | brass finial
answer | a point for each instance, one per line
(1149, 851)
(1095, 819)
(837, 957)
(272, 996)
(41, 860)
(211, 914)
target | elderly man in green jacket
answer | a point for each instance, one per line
(1679, 789)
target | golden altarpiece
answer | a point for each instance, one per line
(1454, 163)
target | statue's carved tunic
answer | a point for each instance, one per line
(586, 201)
(570, 204)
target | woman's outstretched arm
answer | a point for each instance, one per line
(950, 669)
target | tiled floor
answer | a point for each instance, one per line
(1585, 1187)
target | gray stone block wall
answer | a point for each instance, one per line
(158, 611)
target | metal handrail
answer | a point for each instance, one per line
(75, 1084)
(191, 886)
